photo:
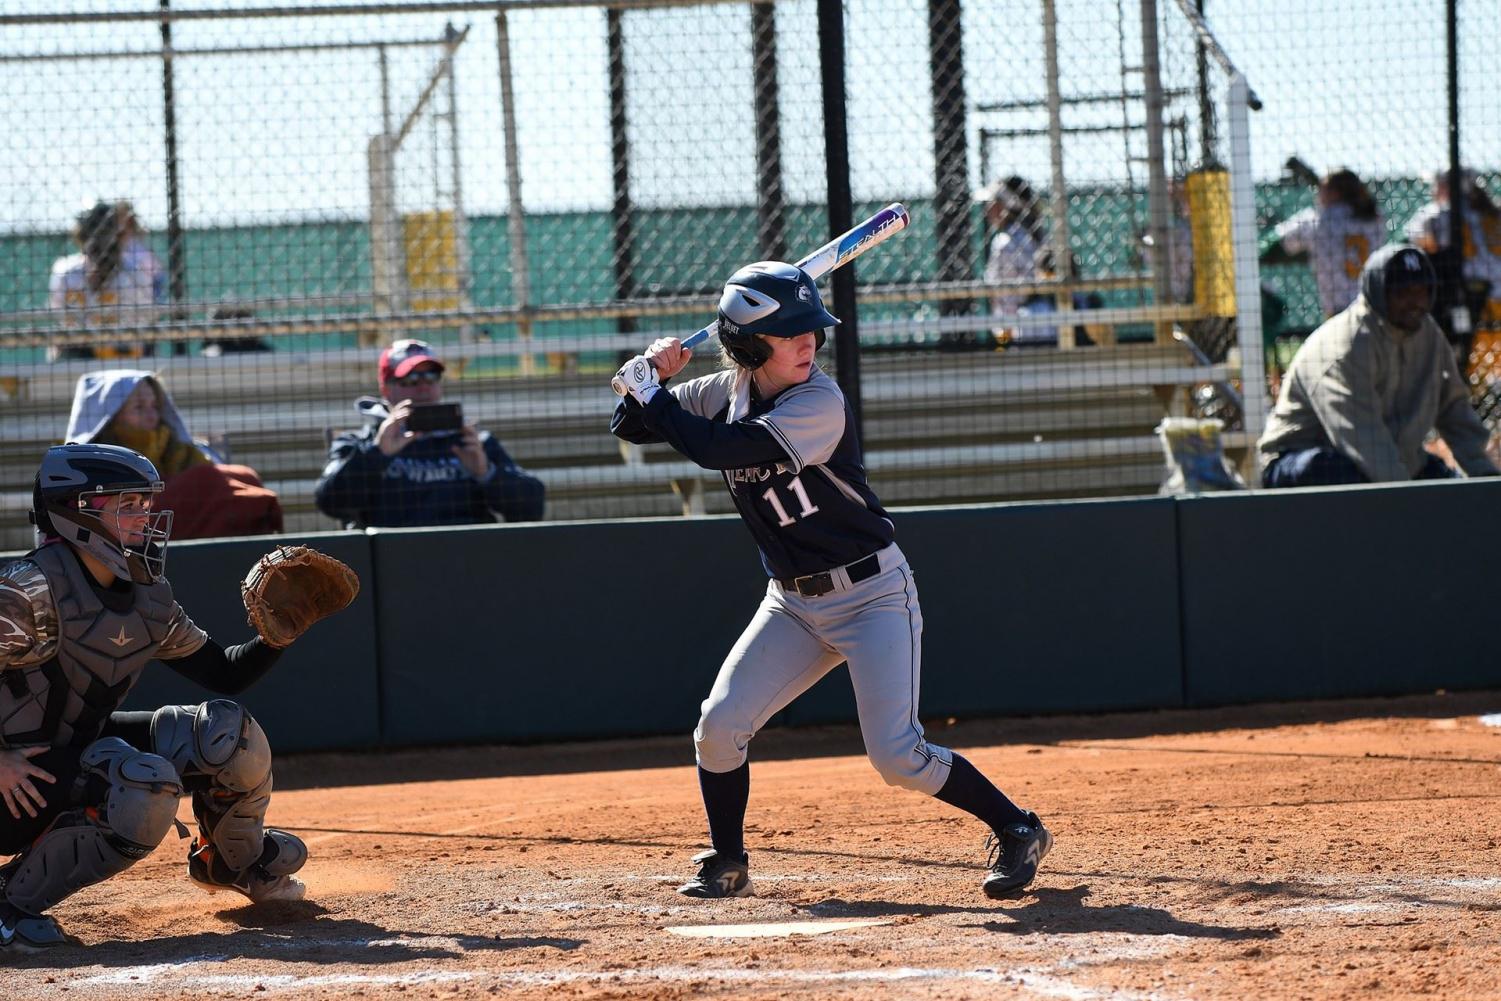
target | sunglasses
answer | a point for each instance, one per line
(420, 377)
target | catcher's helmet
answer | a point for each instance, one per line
(71, 482)
(1395, 266)
(768, 299)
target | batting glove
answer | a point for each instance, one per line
(638, 378)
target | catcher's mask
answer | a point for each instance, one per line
(71, 485)
(768, 299)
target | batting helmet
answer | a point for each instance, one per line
(768, 299)
(71, 482)
(1395, 266)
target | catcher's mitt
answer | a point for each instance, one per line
(292, 587)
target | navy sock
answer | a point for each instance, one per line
(725, 796)
(973, 793)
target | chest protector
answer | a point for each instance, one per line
(65, 701)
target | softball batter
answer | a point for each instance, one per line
(779, 430)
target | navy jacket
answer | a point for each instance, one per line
(423, 484)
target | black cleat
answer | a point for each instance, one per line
(1015, 854)
(718, 877)
(25, 933)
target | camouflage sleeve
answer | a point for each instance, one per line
(25, 614)
(17, 625)
(183, 637)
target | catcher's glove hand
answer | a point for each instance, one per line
(292, 587)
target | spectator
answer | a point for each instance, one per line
(1012, 214)
(99, 286)
(1481, 243)
(1368, 385)
(207, 498)
(1047, 302)
(1337, 233)
(136, 255)
(387, 475)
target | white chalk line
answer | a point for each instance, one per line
(1042, 981)
(1048, 980)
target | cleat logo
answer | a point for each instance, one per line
(7, 934)
(727, 882)
(1034, 853)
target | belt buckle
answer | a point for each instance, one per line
(814, 584)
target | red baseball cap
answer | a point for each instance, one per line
(403, 356)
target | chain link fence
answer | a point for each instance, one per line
(252, 204)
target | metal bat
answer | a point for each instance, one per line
(835, 254)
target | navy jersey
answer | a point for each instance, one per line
(792, 464)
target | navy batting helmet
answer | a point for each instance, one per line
(71, 482)
(1394, 266)
(769, 299)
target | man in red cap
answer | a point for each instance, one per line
(387, 474)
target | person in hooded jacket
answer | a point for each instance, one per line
(132, 408)
(1367, 387)
(387, 475)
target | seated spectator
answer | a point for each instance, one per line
(1013, 218)
(1336, 235)
(386, 474)
(207, 498)
(100, 286)
(1480, 245)
(1368, 385)
(136, 255)
(1047, 302)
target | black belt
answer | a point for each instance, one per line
(815, 584)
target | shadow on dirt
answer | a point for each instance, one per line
(1064, 912)
(1049, 911)
(301, 932)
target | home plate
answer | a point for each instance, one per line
(781, 929)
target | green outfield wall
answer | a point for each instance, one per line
(583, 630)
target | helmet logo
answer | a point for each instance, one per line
(805, 293)
(1412, 263)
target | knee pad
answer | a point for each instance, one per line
(133, 801)
(217, 739)
(225, 758)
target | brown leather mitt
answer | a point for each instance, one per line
(292, 587)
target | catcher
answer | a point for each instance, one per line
(89, 790)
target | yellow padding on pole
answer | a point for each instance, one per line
(1214, 255)
(432, 253)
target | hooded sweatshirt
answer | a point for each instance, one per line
(1373, 391)
(423, 484)
(98, 397)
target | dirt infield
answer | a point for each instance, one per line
(1329, 850)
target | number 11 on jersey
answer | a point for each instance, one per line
(783, 518)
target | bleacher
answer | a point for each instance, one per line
(939, 427)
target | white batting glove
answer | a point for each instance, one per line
(638, 378)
